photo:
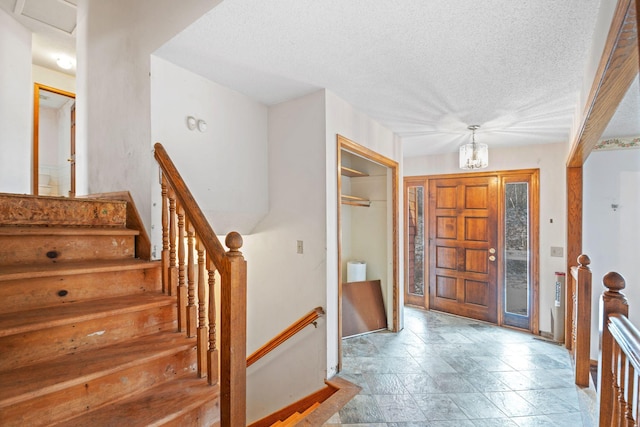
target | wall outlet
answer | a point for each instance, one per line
(300, 247)
(557, 251)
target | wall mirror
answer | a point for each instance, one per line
(53, 142)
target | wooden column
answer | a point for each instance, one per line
(233, 351)
(611, 302)
(574, 243)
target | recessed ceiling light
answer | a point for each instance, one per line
(64, 62)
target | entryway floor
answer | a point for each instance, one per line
(443, 370)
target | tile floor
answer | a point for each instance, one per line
(444, 370)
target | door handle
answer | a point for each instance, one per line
(492, 258)
(492, 251)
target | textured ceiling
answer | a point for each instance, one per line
(424, 69)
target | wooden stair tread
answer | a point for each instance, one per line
(28, 271)
(29, 320)
(156, 406)
(67, 231)
(71, 369)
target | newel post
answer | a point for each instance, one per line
(611, 302)
(233, 336)
(583, 321)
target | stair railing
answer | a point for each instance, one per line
(186, 229)
(619, 361)
(297, 326)
(580, 340)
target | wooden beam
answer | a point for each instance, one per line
(574, 241)
(617, 69)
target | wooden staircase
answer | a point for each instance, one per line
(87, 336)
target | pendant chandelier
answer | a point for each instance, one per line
(474, 155)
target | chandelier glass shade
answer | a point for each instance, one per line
(474, 155)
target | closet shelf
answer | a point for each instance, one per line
(355, 201)
(351, 172)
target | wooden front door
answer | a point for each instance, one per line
(463, 230)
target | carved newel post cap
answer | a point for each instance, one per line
(584, 260)
(613, 281)
(233, 241)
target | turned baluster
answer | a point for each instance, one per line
(212, 353)
(203, 344)
(191, 306)
(611, 302)
(173, 268)
(618, 414)
(182, 288)
(628, 401)
(165, 237)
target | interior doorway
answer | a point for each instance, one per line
(368, 233)
(54, 156)
(472, 245)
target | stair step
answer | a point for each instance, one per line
(183, 402)
(75, 384)
(27, 287)
(20, 209)
(19, 385)
(41, 334)
(74, 313)
(47, 245)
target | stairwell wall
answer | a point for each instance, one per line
(225, 166)
(284, 285)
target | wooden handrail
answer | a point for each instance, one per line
(627, 336)
(192, 210)
(185, 234)
(283, 336)
(613, 305)
(581, 319)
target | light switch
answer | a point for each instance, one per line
(300, 247)
(557, 251)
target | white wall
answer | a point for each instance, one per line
(114, 42)
(16, 105)
(54, 79)
(282, 284)
(225, 167)
(343, 119)
(612, 238)
(549, 158)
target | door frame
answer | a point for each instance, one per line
(35, 166)
(534, 232)
(359, 150)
